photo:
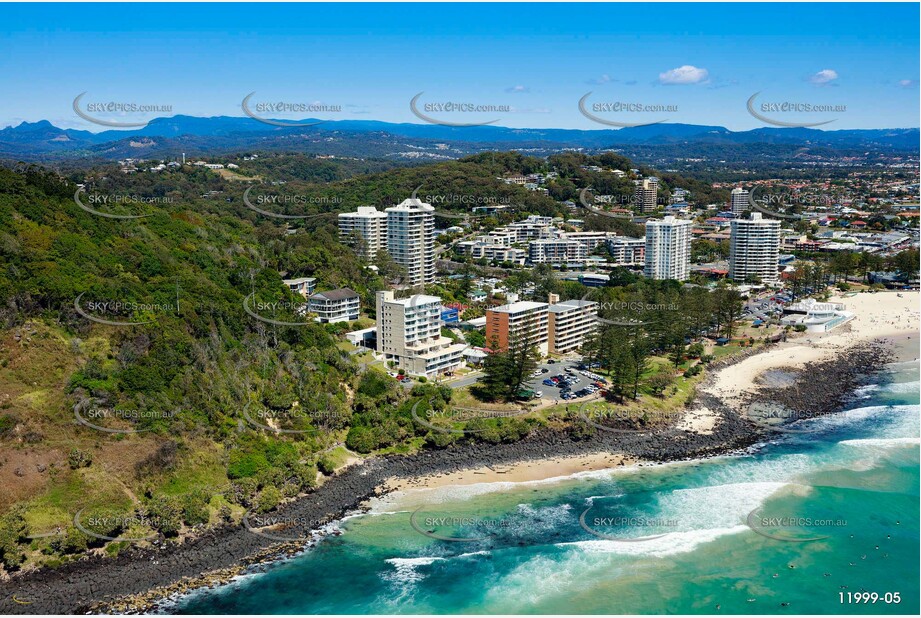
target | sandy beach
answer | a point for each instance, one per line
(881, 316)
(533, 470)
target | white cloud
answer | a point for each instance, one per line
(599, 81)
(908, 83)
(686, 74)
(825, 76)
(518, 89)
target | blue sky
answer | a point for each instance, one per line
(538, 59)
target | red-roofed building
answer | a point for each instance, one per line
(808, 245)
(858, 224)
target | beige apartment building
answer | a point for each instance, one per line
(409, 334)
(569, 324)
(370, 224)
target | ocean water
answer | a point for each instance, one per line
(791, 527)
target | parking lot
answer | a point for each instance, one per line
(765, 308)
(578, 381)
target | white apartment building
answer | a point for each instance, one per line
(302, 285)
(591, 240)
(411, 239)
(369, 223)
(569, 324)
(627, 251)
(483, 249)
(738, 201)
(409, 334)
(556, 251)
(531, 228)
(754, 248)
(523, 322)
(342, 305)
(668, 248)
(502, 236)
(646, 194)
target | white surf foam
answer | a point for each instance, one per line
(881, 442)
(668, 545)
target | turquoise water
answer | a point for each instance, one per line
(710, 536)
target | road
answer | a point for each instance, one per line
(468, 380)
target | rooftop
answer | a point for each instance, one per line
(340, 294)
(519, 307)
(569, 305)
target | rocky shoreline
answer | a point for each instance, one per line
(137, 580)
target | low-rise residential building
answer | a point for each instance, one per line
(409, 335)
(503, 237)
(341, 305)
(531, 228)
(302, 285)
(483, 249)
(556, 251)
(591, 240)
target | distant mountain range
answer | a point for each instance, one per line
(166, 137)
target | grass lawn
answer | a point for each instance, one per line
(462, 397)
